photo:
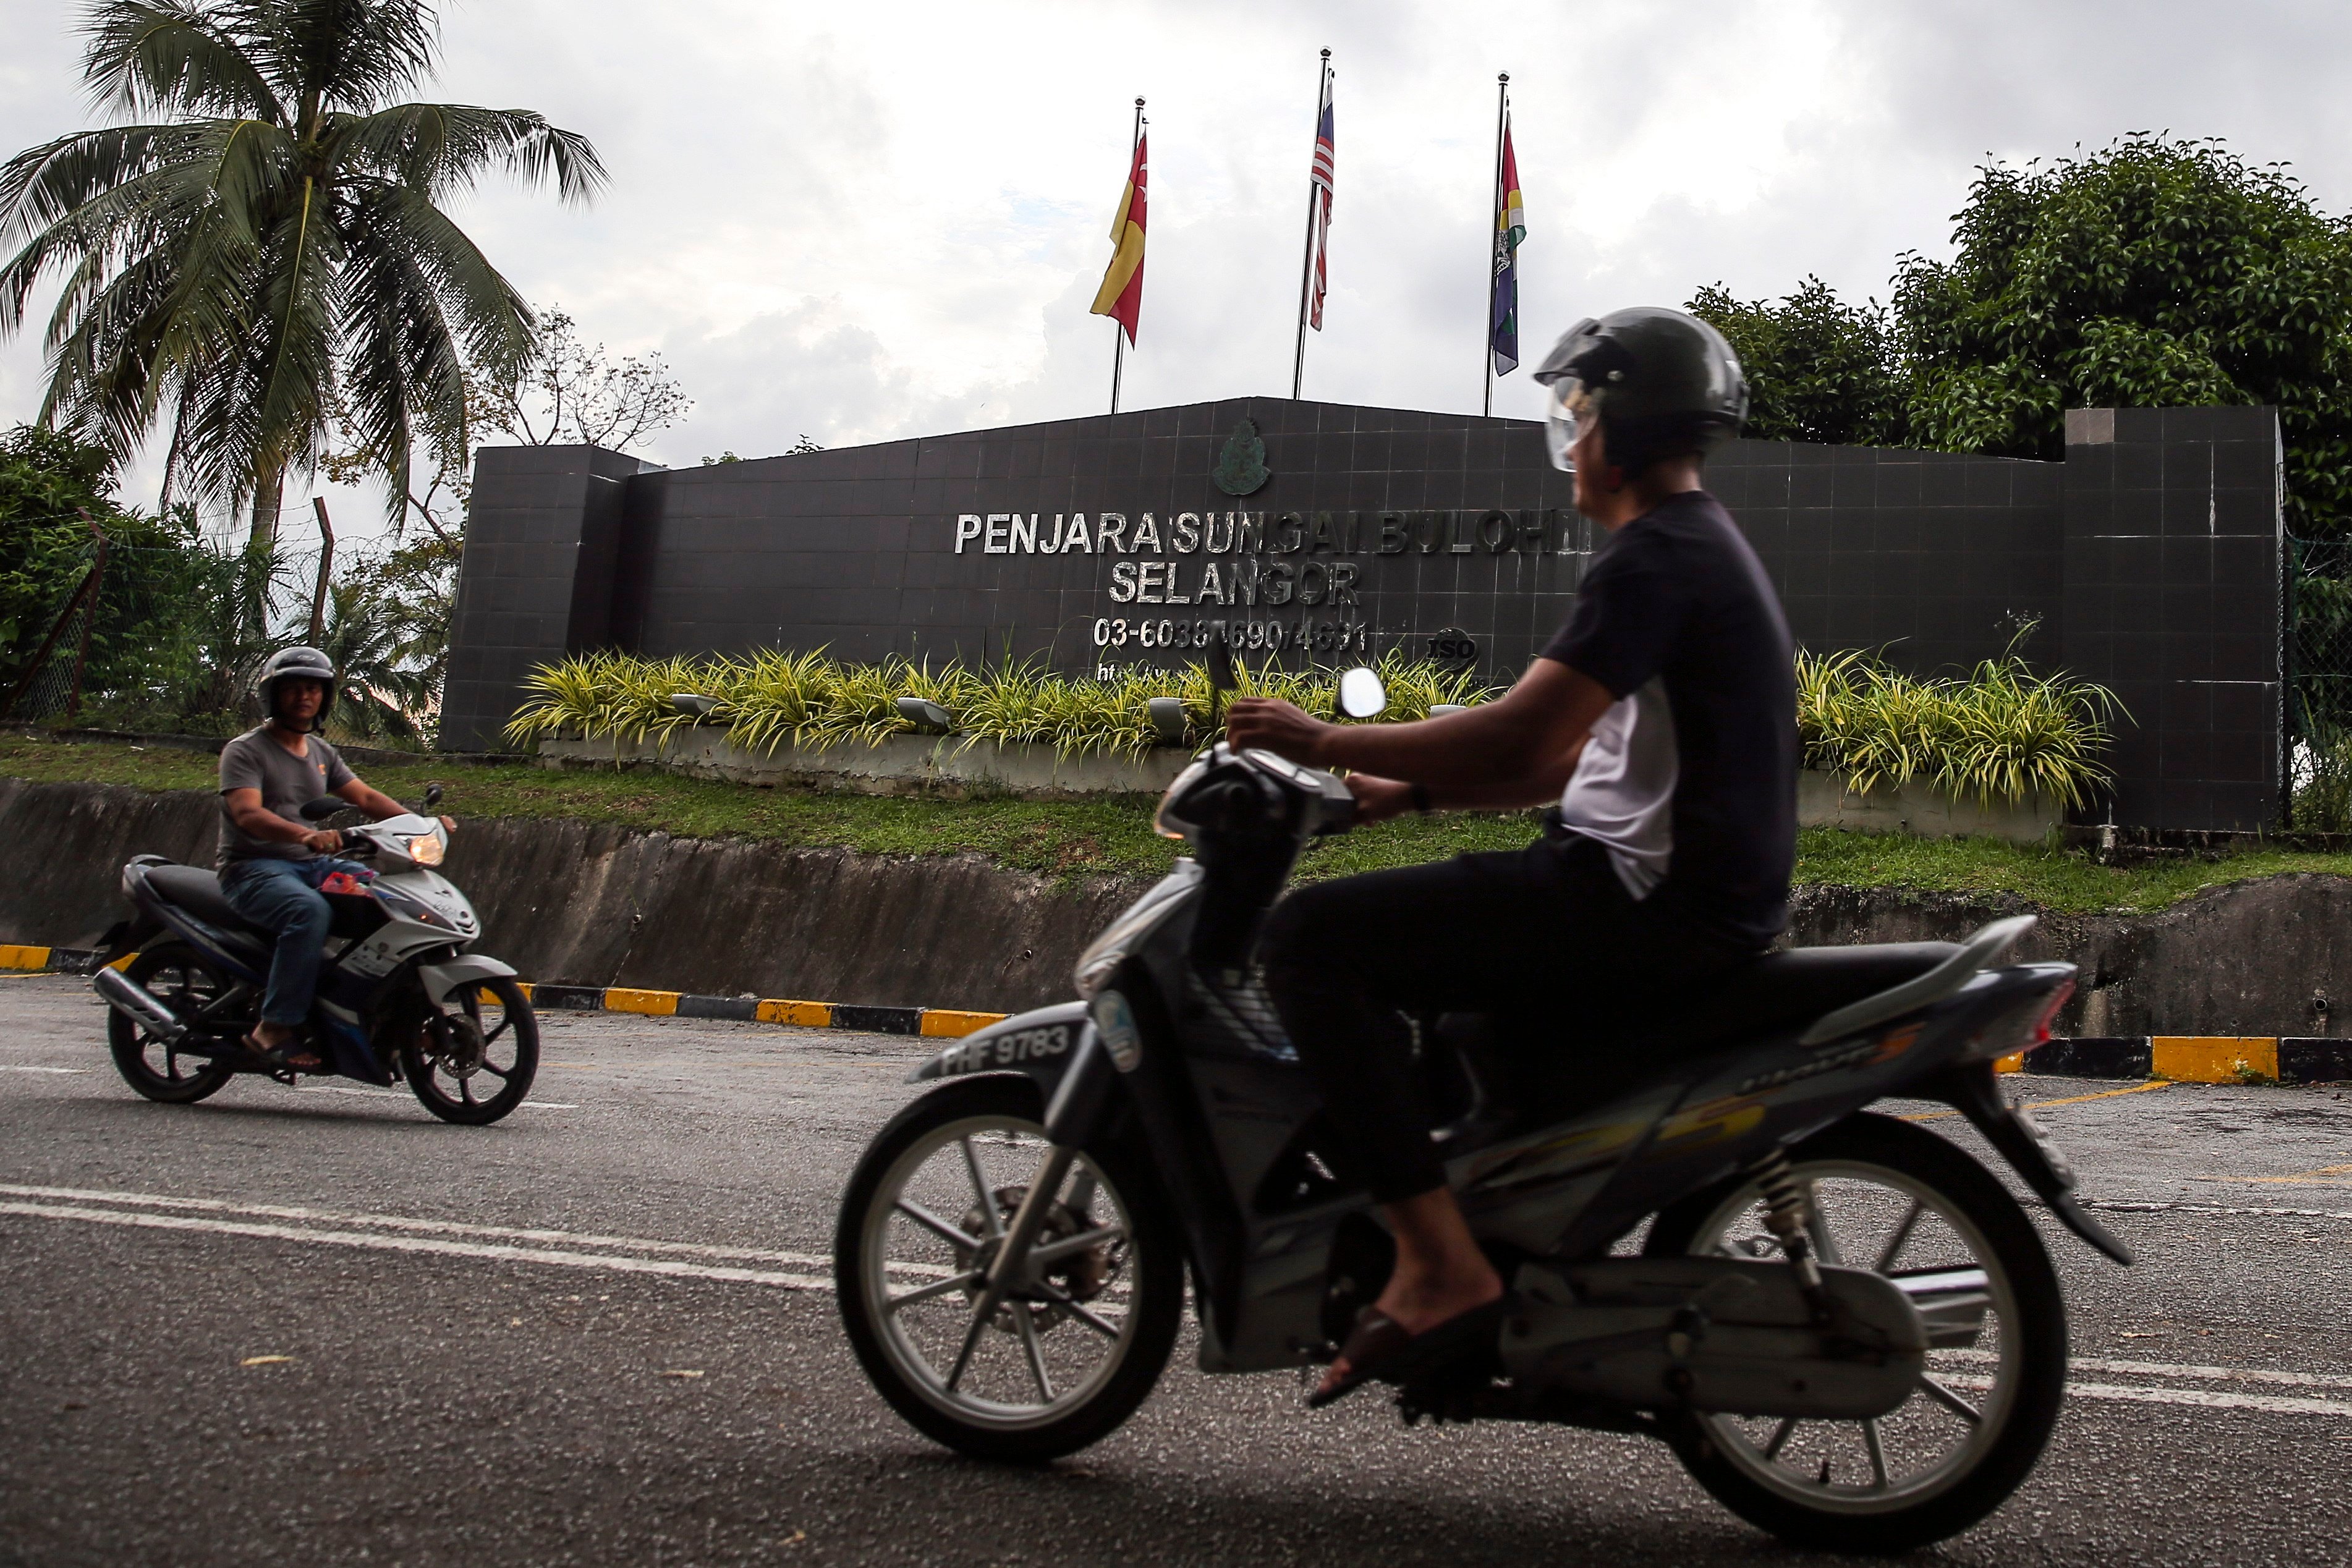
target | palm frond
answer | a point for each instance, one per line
(147, 55)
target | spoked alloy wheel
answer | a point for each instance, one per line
(1074, 1350)
(183, 982)
(477, 1056)
(1901, 1201)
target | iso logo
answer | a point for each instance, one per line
(1452, 649)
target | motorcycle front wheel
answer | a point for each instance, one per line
(474, 1060)
(1899, 1200)
(1064, 1358)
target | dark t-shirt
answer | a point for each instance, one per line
(1677, 596)
(286, 782)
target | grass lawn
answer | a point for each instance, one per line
(1114, 835)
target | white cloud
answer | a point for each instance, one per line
(862, 223)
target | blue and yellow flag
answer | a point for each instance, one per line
(1510, 228)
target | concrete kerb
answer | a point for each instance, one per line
(2185, 1059)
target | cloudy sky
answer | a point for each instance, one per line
(865, 222)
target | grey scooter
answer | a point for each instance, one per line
(1845, 1325)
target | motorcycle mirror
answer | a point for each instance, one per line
(324, 806)
(1361, 695)
(432, 796)
(1220, 664)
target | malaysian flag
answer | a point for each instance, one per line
(1320, 176)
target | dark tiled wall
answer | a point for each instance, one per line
(1937, 559)
(856, 549)
(2174, 553)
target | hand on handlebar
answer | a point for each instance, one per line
(324, 840)
(1378, 799)
(1274, 725)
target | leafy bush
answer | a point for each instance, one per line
(2000, 733)
(774, 699)
(2152, 273)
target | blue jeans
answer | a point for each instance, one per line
(283, 897)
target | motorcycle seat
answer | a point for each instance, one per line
(1547, 1066)
(1786, 990)
(198, 891)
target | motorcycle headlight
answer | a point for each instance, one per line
(425, 849)
(1124, 935)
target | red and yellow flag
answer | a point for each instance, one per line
(1122, 294)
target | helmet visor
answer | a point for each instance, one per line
(1565, 406)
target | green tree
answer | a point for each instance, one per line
(381, 693)
(55, 500)
(1818, 369)
(2151, 273)
(269, 244)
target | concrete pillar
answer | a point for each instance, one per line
(542, 534)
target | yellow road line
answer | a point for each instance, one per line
(2070, 1100)
(2342, 1175)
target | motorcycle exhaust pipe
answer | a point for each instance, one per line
(135, 1002)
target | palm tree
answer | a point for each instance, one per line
(274, 242)
(383, 693)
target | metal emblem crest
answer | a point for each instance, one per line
(1241, 468)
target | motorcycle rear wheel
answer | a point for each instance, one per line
(1902, 1201)
(184, 981)
(445, 1079)
(1048, 1373)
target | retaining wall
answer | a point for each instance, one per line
(585, 903)
(909, 764)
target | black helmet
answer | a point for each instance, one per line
(296, 664)
(1661, 382)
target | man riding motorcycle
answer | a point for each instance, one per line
(272, 866)
(1661, 720)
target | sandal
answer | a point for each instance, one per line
(288, 1058)
(1382, 1349)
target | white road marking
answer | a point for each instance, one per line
(619, 1263)
(2125, 1206)
(2175, 1369)
(2206, 1398)
(428, 1227)
(12, 1067)
(562, 1249)
(396, 1095)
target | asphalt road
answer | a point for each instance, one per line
(302, 1326)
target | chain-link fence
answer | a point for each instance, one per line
(2319, 684)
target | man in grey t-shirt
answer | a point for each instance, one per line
(271, 864)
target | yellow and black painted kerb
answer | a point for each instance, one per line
(2186, 1059)
(943, 1022)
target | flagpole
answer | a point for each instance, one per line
(1486, 347)
(1307, 262)
(1119, 328)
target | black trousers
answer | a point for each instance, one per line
(1548, 926)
